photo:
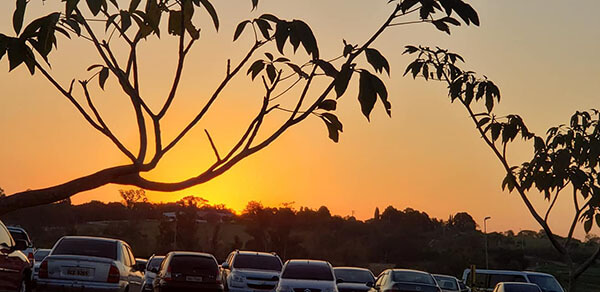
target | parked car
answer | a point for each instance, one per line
(188, 271)
(447, 283)
(151, 269)
(516, 287)
(405, 280)
(39, 256)
(351, 279)
(90, 264)
(20, 234)
(486, 280)
(250, 271)
(307, 276)
(15, 268)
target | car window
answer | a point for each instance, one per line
(125, 256)
(40, 255)
(193, 264)
(130, 253)
(412, 277)
(5, 236)
(86, 247)
(257, 262)
(318, 272)
(547, 283)
(154, 263)
(353, 275)
(496, 278)
(19, 235)
(446, 283)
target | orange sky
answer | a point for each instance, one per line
(427, 156)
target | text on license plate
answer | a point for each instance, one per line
(193, 279)
(78, 272)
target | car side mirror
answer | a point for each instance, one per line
(20, 244)
(225, 265)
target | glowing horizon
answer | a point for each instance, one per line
(427, 156)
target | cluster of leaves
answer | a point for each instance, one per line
(570, 154)
(428, 9)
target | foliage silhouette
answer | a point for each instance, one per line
(132, 24)
(568, 157)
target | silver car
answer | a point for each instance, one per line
(78, 263)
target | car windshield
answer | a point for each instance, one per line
(257, 262)
(87, 247)
(192, 264)
(546, 283)
(353, 275)
(318, 272)
(520, 288)
(446, 283)
(40, 255)
(412, 277)
(154, 264)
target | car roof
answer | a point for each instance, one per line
(191, 253)
(352, 268)
(16, 229)
(92, 238)
(445, 276)
(306, 262)
(409, 270)
(508, 272)
(518, 284)
(259, 253)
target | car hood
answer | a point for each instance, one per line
(258, 274)
(311, 284)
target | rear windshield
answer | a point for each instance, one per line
(412, 277)
(258, 262)
(40, 255)
(353, 276)
(319, 272)
(191, 264)
(18, 235)
(154, 263)
(547, 283)
(87, 247)
(446, 283)
(520, 288)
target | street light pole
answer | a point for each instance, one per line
(487, 263)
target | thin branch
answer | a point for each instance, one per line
(106, 131)
(410, 22)
(552, 204)
(212, 144)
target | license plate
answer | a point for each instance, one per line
(193, 279)
(78, 272)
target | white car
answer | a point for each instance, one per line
(90, 264)
(307, 276)
(486, 280)
(250, 271)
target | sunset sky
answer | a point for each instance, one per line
(428, 156)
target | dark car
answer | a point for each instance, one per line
(151, 269)
(405, 280)
(188, 271)
(15, 268)
(18, 233)
(516, 287)
(351, 279)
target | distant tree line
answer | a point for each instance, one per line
(392, 238)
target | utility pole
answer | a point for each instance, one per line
(487, 263)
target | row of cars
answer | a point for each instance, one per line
(77, 263)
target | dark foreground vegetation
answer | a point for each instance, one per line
(392, 238)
